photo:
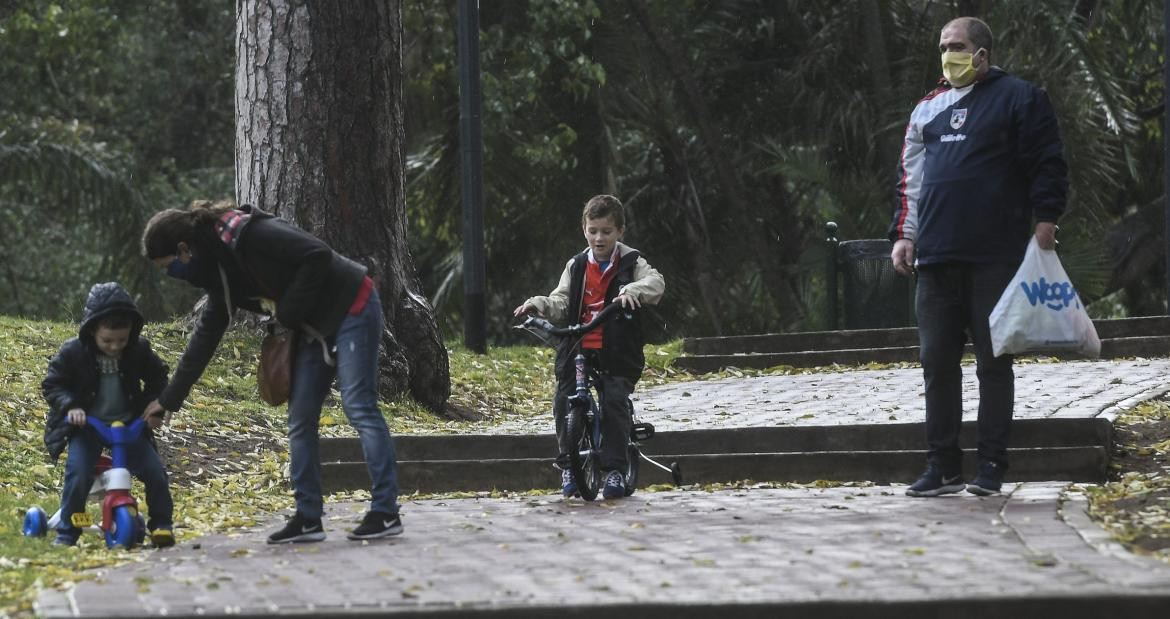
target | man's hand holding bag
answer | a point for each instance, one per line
(1040, 311)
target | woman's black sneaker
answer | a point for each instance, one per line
(298, 529)
(376, 525)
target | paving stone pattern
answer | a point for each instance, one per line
(678, 547)
(689, 547)
(1067, 389)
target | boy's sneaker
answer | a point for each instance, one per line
(162, 538)
(568, 486)
(298, 529)
(376, 525)
(988, 480)
(934, 482)
(615, 486)
(64, 539)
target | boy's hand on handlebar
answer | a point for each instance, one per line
(627, 301)
(525, 308)
(76, 416)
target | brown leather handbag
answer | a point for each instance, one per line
(274, 376)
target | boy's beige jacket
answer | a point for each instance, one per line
(647, 287)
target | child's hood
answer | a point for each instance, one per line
(104, 299)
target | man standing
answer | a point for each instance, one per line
(982, 159)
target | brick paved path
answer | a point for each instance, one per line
(1067, 389)
(762, 546)
(644, 556)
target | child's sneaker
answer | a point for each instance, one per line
(64, 539)
(376, 525)
(298, 529)
(615, 486)
(568, 486)
(162, 537)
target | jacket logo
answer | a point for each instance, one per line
(958, 117)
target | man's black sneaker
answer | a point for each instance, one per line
(934, 482)
(988, 480)
(376, 525)
(298, 529)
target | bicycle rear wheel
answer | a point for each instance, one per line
(583, 458)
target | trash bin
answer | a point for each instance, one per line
(872, 294)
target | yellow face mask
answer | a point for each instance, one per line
(957, 67)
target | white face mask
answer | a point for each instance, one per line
(958, 67)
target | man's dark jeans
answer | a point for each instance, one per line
(954, 301)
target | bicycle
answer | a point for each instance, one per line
(122, 524)
(584, 409)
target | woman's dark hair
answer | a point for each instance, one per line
(166, 229)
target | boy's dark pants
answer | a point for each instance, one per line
(954, 300)
(143, 462)
(615, 424)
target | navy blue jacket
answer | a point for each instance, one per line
(73, 376)
(978, 165)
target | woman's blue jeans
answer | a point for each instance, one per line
(356, 356)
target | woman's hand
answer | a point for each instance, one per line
(525, 308)
(155, 415)
(76, 416)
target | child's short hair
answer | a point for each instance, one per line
(116, 320)
(602, 206)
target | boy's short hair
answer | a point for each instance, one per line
(602, 206)
(115, 320)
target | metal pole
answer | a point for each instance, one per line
(471, 173)
(831, 274)
(1166, 142)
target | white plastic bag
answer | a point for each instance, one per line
(1040, 311)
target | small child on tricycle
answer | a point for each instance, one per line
(107, 373)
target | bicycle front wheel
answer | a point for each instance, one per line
(122, 534)
(583, 457)
(633, 454)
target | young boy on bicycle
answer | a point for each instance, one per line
(606, 272)
(110, 373)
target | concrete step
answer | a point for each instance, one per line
(777, 439)
(884, 338)
(1079, 464)
(1113, 348)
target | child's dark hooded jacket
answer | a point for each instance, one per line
(73, 376)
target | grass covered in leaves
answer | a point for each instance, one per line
(1135, 506)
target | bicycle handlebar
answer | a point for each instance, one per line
(540, 323)
(111, 434)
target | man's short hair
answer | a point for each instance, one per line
(602, 206)
(116, 320)
(977, 30)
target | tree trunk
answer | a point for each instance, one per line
(320, 141)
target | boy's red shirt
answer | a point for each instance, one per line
(593, 301)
